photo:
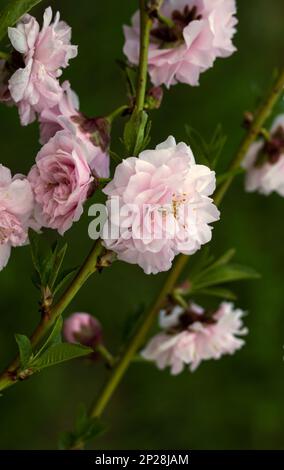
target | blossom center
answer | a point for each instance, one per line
(169, 35)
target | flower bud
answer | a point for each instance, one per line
(83, 328)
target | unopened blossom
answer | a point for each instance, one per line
(61, 180)
(192, 335)
(82, 328)
(159, 206)
(198, 33)
(45, 52)
(264, 162)
(16, 207)
(66, 116)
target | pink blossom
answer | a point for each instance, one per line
(16, 206)
(83, 328)
(45, 52)
(61, 181)
(202, 31)
(159, 207)
(66, 115)
(192, 336)
(264, 162)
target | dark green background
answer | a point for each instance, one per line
(233, 403)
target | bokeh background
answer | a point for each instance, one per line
(235, 403)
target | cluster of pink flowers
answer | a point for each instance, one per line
(164, 207)
(264, 162)
(187, 42)
(75, 148)
(191, 336)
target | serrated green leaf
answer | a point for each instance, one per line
(217, 292)
(25, 349)
(12, 12)
(224, 274)
(60, 353)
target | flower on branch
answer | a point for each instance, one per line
(42, 54)
(159, 206)
(264, 162)
(185, 39)
(61, 180)
(16, 209)
(193, 335)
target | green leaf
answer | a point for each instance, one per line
(224, 274)
(57, 260)
(12, 12)
(229, 174)
(25, 349)
(60, 353)
(218, 292)
(224, 259)
(66, 441)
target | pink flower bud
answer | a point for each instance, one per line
(83, 328)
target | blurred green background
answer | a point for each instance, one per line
(235, 403)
